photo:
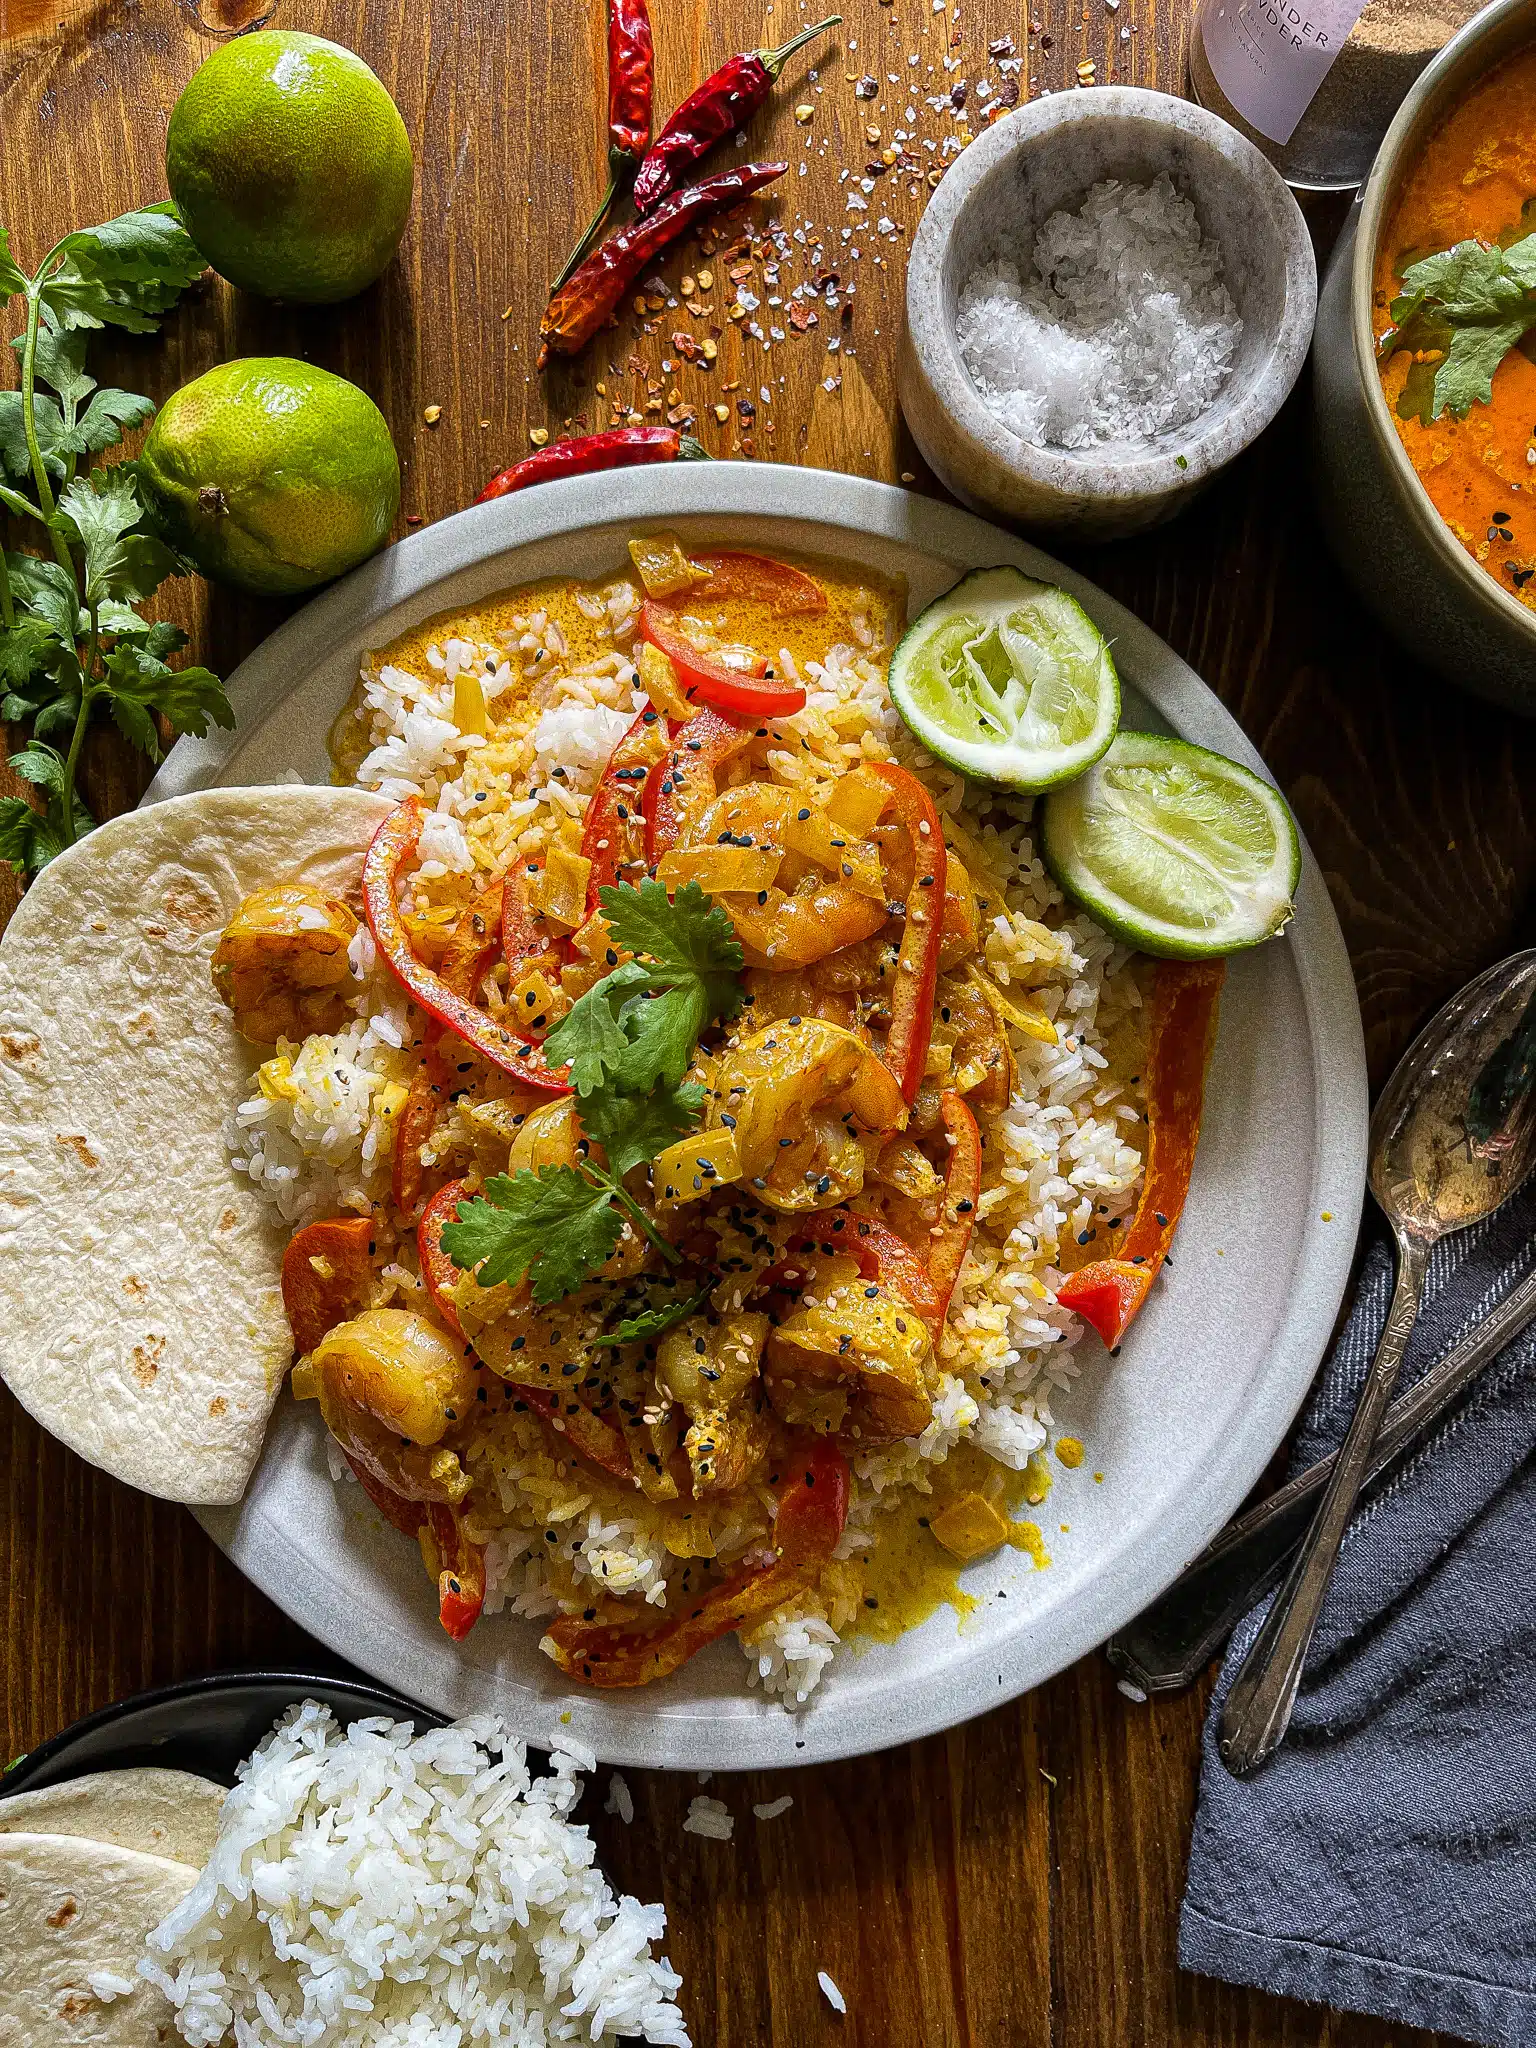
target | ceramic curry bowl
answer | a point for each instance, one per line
(1403, 559)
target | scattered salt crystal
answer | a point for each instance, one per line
(772, 1808)
(1119, 329)
(834, 1997)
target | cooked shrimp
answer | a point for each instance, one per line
(392, 1387)
(852, 1361)
(711, 1371)
(797, 1095)
(281, 964)
(793, 929)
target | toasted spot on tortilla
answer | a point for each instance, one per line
(20, 1046)
(155, 931)
(73, 1141)
(134, 1287)
(229, 1219)
(66, 1912)
(188, 903)
(218, 1405)
(141, 1027)
(75, 2004)
(146, 1359)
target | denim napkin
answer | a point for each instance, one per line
(1385, 1860)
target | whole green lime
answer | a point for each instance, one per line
(271, 474)
(291, 166)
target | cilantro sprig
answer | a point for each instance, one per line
(71, 636)
(628, 1041)
(1464, 309)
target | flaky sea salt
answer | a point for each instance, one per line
(1117, 327)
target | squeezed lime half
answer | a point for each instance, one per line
(1174, 849)
(1008, 680)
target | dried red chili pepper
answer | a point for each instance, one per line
(592, 293)
(744, 691)
(726, 101)
(618, 448)
(391, 847)
(631, 66)
(1185, 998)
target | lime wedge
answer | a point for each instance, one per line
(1174, 849)
(1008, 680)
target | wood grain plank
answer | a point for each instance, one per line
(1014, 1884)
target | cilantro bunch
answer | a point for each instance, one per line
(1467, 307)
(71, 636)
(629, 1042)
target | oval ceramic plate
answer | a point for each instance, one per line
(1180, 1425)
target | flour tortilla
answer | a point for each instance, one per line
(141, 1319)
(158, 1813)
(71, 1910)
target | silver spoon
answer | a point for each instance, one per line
(1453, 1134)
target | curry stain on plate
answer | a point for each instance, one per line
(910, 1575)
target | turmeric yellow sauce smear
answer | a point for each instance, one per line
(548, 1470)
(1474, 179)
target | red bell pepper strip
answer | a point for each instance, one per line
(1181, 1034)
(593, 293)
(962, 1190)
(614, 448)
(745, 692)
(458, 1563)
(609, 1655)
(813, 1507)
(439, 1272)
(725, 102)
(813, 1503)
(327, 1275)
(631, 69)
(685, 779)
(762, 579)
(917, 969)
(393, 844)
(615, 823)
(460, 1571)
(408, 1516)
(883, 1255)
(407, 1173)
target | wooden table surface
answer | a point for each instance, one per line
(1016, 1881)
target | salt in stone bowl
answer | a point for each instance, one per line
(992, 201)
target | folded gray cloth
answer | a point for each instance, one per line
(1385, 1860)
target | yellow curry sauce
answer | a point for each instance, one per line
(489, 1469)
(1473, 179)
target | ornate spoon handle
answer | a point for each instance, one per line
(1258, 1708)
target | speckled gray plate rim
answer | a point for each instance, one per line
(1180, 1425)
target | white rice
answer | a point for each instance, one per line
(770, 1809)
(830, 1992)
(376, 1889)
(709, 1817)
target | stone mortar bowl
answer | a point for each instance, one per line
(995, 197)
(1401, 556)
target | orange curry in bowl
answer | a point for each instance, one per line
(1455, 318)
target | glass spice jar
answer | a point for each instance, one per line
(1315, 83)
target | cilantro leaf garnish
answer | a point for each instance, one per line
(628, 1042)
(640, 1024)
(654, 1322)
(71, 640)
(557, 1226)
(1463, 309)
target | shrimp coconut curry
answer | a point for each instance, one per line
(691, 1126)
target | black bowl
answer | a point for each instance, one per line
(203, 1725)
